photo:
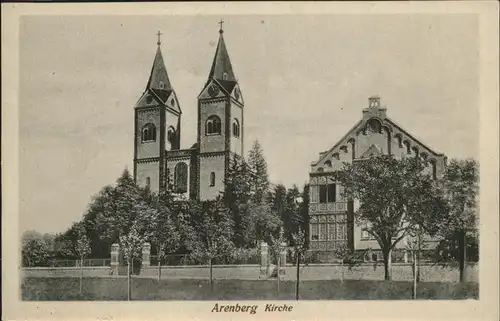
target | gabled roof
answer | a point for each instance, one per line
(360, 125)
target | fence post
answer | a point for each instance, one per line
(264, 251)
(115, 252)
(282, 265)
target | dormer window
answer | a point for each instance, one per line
(224, 76)
(161, 85)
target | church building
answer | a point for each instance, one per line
(197, 172)
(331, 216)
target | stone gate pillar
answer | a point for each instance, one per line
(146, 253)
(264, 259)
(115, 258)
(282, 258)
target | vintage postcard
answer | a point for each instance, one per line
(244, 160)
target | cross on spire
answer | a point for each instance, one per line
(220, 23)
(159, 34)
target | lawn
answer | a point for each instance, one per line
(48, 289)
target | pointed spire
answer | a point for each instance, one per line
(158, 79)
(221, 66)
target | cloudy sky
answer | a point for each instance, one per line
(305, 80)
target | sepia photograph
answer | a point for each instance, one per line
(246, 158)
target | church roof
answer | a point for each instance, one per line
(158, 79)
(222, 70)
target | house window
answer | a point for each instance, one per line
(365, 234)
(161, 85)
(171, 135)
(341, 231)
(236, 128)
(148, 182)
(180, 177)
(328, 163)
(212, 179)
(322, 193)
(314, 232)
(322, 232)
(149, 133)
(314, 193)
(327, 193)
(213, 125)
(331, 232)
(331, 193)
(224, 76)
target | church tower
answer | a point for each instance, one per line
(220, 123)
(157, 118)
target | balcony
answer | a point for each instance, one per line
(325, 208)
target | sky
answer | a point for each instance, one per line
(305, 80)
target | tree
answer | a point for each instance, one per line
(210, 231)
(35, 251)
(458, 225)
(299, 247)
(260, 178)
(166, 235)
(262, 222)
(394, 196)
(236, 198)
(342, 252)
(82, 249)
(277, 246)
(304, 214)
(131, 243)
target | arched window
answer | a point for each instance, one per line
(212, 179)
(148, 182)
(180, 178)
(328, 163)
(415, 150)
(236, 128)
(171, 135)
(213, 125)
(320, 170)
(224, 76)
(149, 133)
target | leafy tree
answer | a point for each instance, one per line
(304, 214)
(395, 195)
(236, 198)
(260, 178)
(261, 222)
(299, 247)
(283, 203)
(82, 249)
(458, 225)
(343, 253)
(165, 235)
(131, 243)
(210, 231)
(35, 251)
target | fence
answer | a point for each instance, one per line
(186, 259)
(76, 263)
